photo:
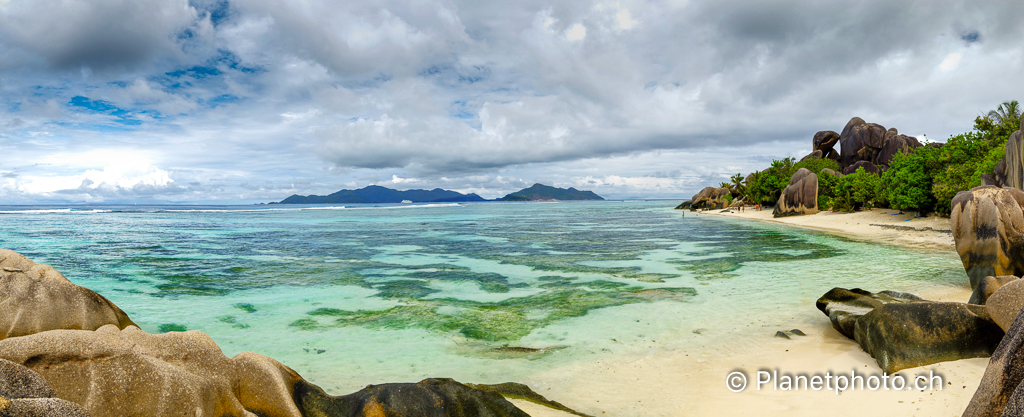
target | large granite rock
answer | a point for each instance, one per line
(988, 228)
(986, 287)
(867, 165)
(860, 141)
(893, 144)
(825, 140)
(1014, 159)
(1001, 392)
(710, 198)
(431, 397)
(113, 372)
(1005, 303)
(902, 331)
(35, 298)
(901, 336)
(832, 172)
(800, 196)
(684, 205)
(24, 393)
(843, 307)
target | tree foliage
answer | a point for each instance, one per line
(906, 184)
(766, 186)
(856, 190)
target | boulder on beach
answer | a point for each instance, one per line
(432, 397)
(684, 205)
(902, 331)
(906, 335)
(24, 393)
(987, 286)
(1000, 392)
(867, 165)
(800, 196)
(988, 228)
(1005, 303)
(35, 298)
(710, 198)
(843, 307)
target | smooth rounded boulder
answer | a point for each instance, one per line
(24, 393)
(710, 198)
(860, 141)
(800, 196)
(894, 144)
(35, 298)
(432, 397)
(844, 306)
(988, 228)
(1005, 303)
(1014, 160)
(824, 141)
(1000, 392)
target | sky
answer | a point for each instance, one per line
(249, 101)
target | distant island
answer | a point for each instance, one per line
(375, 194)
(540, 192)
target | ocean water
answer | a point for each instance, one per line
(484, 293)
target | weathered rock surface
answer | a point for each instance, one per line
(1014, 160)
(710, 198)
(431, 397)
(893, 144)
(986, 287)
(843, 307)
(35, 298)
(1001, 384)
(868, 167)
(1005, 303)
(988, 228)
(800, 196)
(813, 155)
(902, 331)
(901, 336)
(860, 141)
(24, 393)
(825, 140)
(684, 205)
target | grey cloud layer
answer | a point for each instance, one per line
(253, 93)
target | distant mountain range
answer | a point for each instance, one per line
(376, 194)
(540, 192)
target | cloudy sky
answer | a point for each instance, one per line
(247, 101)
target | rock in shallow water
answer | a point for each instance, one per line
(843, 307)
(35, 298)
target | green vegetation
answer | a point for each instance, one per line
(925, 180)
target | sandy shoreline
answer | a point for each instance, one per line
(693, 382)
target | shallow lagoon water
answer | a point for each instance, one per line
(363, 294)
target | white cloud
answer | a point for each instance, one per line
(576, 33)
(951, 61)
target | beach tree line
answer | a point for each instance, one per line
(924, 180)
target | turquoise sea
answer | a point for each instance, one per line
(483, 293)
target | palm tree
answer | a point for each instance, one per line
(1009, 111)
(737, 182)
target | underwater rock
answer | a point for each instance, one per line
(901, 330)
(986, 287)
(988, 228)
(35, 298)
(24, 393)
(800, 197)
(1005, 303)
(1000, 391)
